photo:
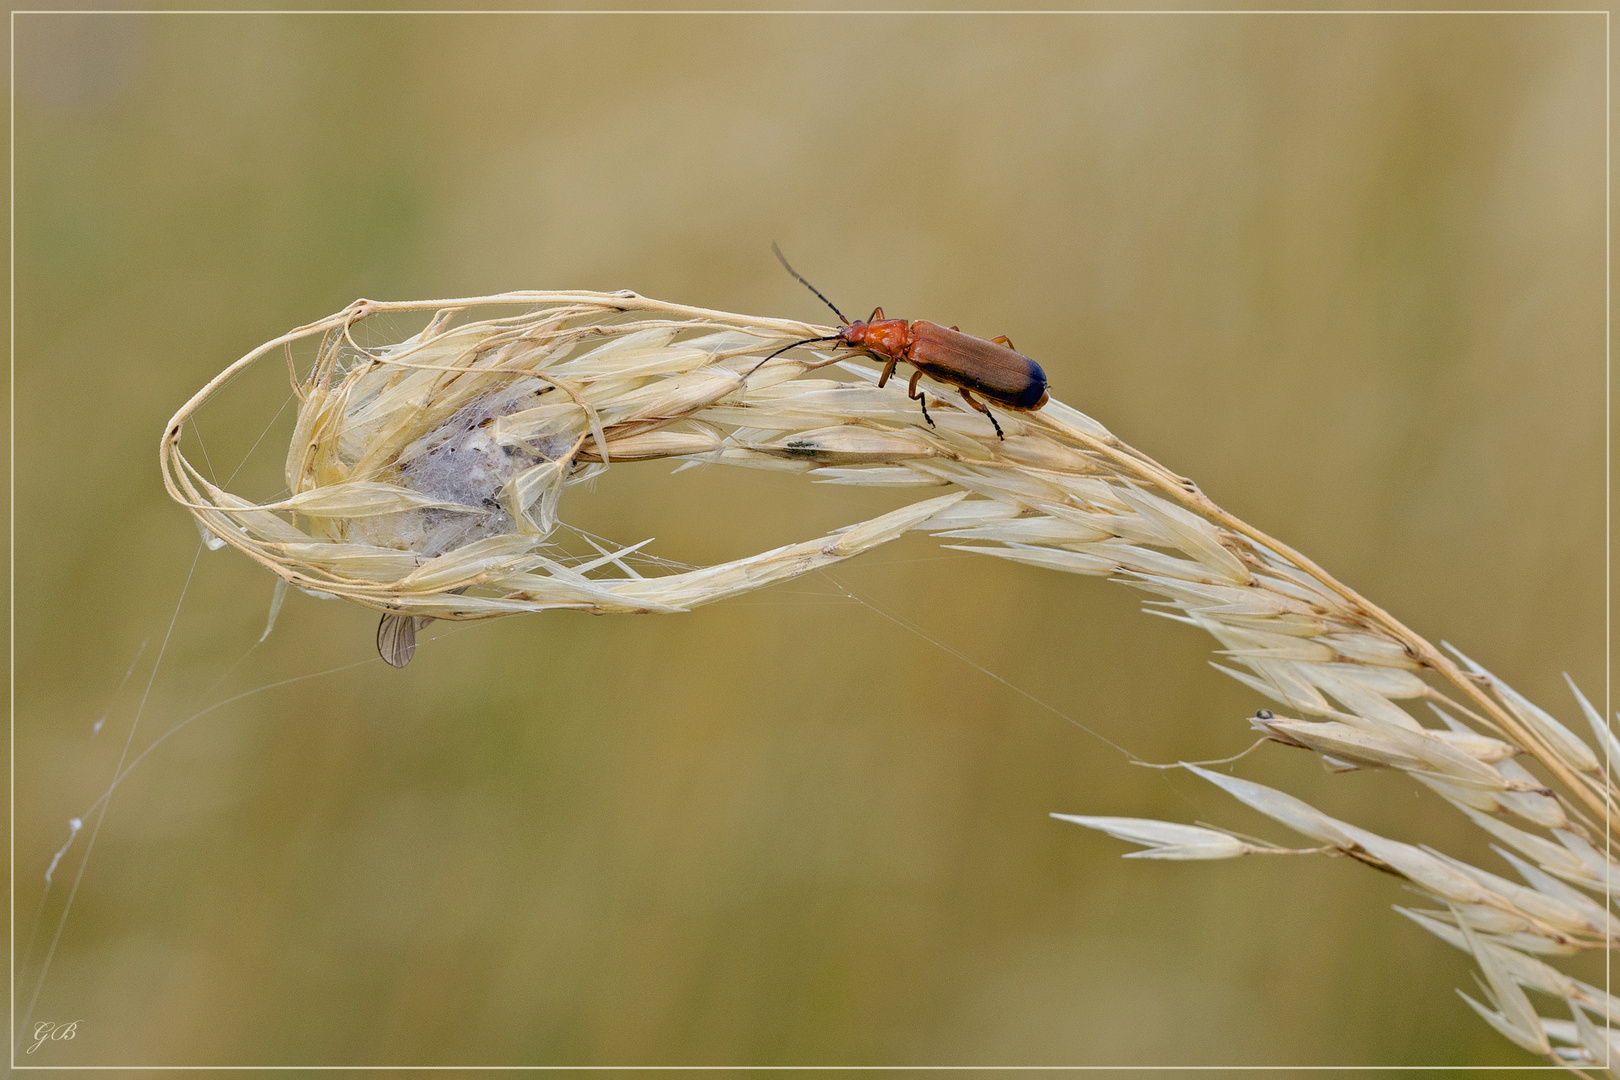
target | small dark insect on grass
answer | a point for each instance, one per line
(992, 369)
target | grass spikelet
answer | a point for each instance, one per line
(425, 478)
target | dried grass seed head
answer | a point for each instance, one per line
(424, 479)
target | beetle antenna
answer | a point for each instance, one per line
(806, 284)
(785, 348)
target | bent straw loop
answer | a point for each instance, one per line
(1069, 494)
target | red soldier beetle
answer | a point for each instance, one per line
(992, 369)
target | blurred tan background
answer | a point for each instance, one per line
(1347, 271)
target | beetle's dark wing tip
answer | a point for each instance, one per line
(1034, 393)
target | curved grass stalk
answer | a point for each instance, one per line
(424, 479)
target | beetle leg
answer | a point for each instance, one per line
(981, 407)
(876, 316)
(888, 369)
(917, 395)
(1005, 340)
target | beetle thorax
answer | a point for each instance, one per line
(886, 337)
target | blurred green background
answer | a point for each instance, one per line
(1346, 271)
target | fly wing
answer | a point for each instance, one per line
(990, 370)
(396, 639)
